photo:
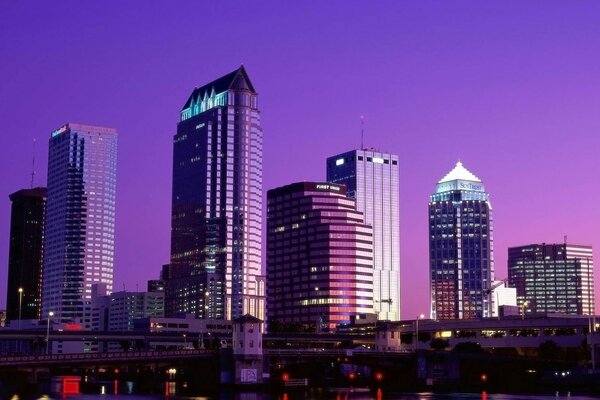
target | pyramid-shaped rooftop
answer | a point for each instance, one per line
(459, 172)
(237, 80)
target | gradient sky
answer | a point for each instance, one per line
(509, 87)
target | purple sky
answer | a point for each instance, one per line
(509, 87)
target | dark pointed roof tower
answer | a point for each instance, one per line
(236, 80)
(215, 268)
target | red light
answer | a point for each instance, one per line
(285, 377)
(483, 377)
(378, 376)
(351, 375)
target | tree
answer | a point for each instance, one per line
(548, 350)
(439, 344)
(469, 347)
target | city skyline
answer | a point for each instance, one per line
(510, 93)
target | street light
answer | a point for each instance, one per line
(206, 304)
(421, 316)
(50, 315)
(20, 305)
(523, 307)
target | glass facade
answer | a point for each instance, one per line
(461, 263)
(319, 256)
(553, 278)
(216, 226)
(25, 255)
(80, 220)
(372, 179)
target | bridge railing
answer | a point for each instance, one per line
(101, 356)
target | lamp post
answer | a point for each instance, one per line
(206, 304)
(523, 307)
(20, 305)
(19, 323)
(50, 315)
(421, 316)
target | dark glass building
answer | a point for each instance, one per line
(319, 256)
(80, 220)
(371, 177)
(217, 203)
(461, 263)
(553, 278)
(25, 254)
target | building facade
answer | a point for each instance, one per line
(217, 203)
(25, 254)
(118, 310)
(461, 262)
(553, 278)
(371, 177)
(80, 220)
(319, 256)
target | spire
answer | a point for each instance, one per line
(460, 172)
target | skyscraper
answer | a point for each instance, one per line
(557, 278)
(372, 179)
(215, 269)
(25, 254)
(80, 219)
(319, 256)
(461, 262)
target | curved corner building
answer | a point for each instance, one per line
(319, 256)
(461, 263)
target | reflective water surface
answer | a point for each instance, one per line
(327, 395)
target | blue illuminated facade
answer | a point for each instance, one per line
(461, 263)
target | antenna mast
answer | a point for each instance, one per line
(362, 131)
(33, 164)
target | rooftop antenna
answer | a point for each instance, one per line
(33, 164)
(362, 131)
(565, 238)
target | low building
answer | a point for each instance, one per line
(204, 332)
(515, 332)
(503, 297)
(118, 310)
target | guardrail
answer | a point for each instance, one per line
(108, 356)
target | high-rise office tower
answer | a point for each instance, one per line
(80, 220)
(553, 278)
(25, 254)
(461, 263)
(215, 268)
(319, 256)
(372, 179)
